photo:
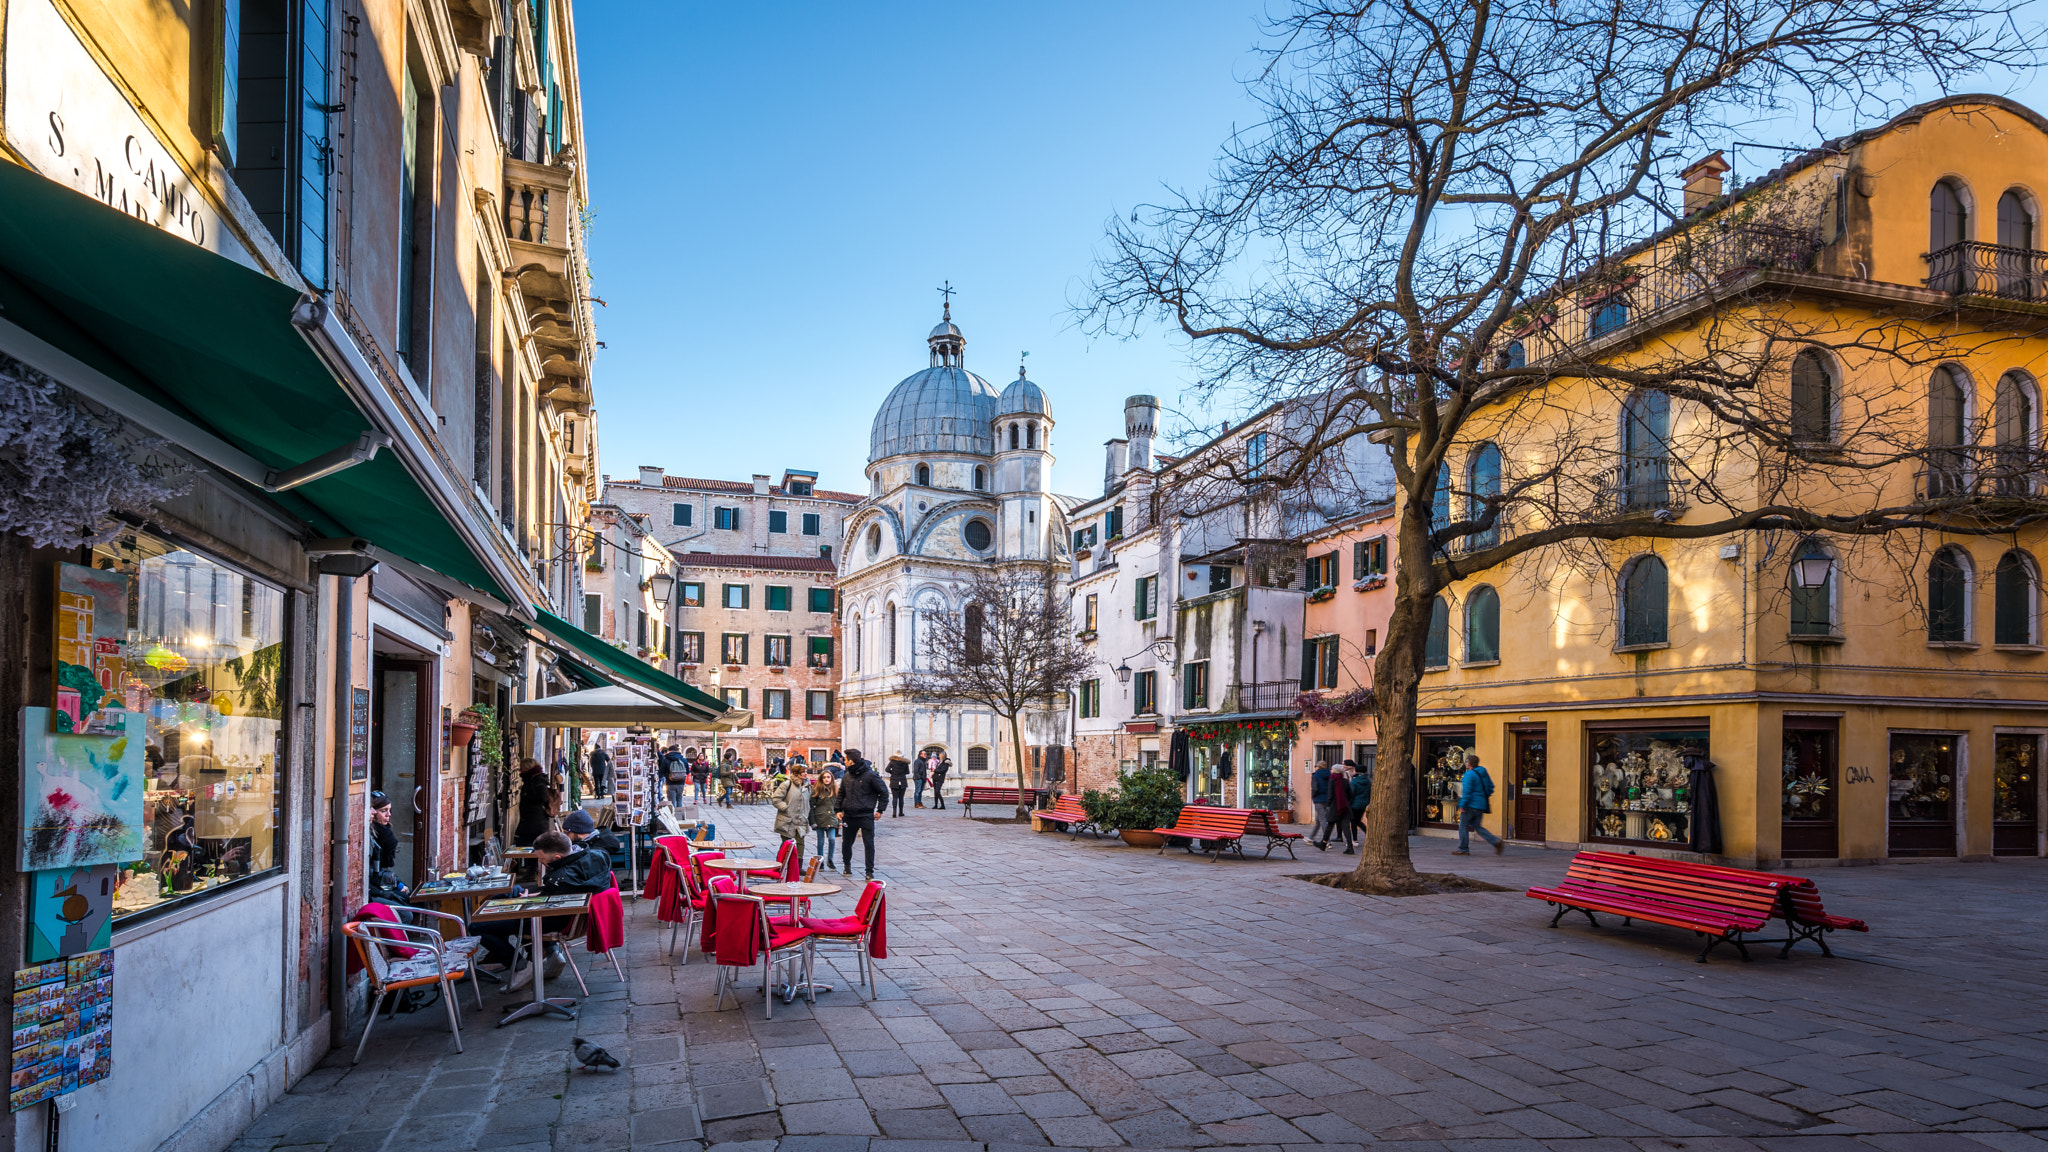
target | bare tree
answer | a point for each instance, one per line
(1011, 649)
(1448, 232)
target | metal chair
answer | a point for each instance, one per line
(743, 936)
(855, 932)
(374, 942)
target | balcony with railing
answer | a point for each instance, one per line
(2002, 472)
(539, 213)
(1994, 270)
(1641, 486)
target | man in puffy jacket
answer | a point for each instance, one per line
(861, 795)
(1319, 799)
(1475, 799)
(899, 782)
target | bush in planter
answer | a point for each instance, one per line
(1144, 799)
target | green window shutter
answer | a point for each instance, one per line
(1308, 665)
(778, 521)
(821, 600)
(308, 177)
(682, 516)
(593, 614)
(811, 524)
(778, 597)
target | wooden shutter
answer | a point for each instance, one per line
(1308, 665)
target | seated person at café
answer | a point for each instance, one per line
(584, 830)
(570, 868)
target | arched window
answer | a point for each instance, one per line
(1646, 450)
(860, 645)
(924, 475)
(2015, 220)
(889, 622)
(980, 478)
(1436, 648)
(1813, 398)
(1645, 599)
(1440, 504)
(1031, 434)
(1483, 477)
(1947, 417)
(1813, 609)
(1013, 436)
(1948, 226)
(1482, 626)
(2015, 600)
(1948, 597)
(2014, 410)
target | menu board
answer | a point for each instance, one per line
(63, 1027)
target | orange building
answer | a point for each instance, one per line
(1350, 599)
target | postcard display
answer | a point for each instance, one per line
(63, 1027)
(1640, 785)
(632, 781)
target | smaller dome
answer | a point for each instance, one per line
(946, 328)
(1023, 398)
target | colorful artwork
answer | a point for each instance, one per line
(63, 1028)
(71, 910)
(81, 795)
(92, 634)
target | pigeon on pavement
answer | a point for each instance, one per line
(591, 1056)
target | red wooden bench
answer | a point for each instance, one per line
(1219, 828)
(1721, 903)
(980, 794)
(1066, 810)
(1262, 823)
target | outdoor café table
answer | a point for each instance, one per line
(533, 909)
(461, 891)
(721, 845)
(803, 891)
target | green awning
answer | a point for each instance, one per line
(625, 666)
(580, 674)
(210, 341)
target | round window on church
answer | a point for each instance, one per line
(874, 540)
(977, 535)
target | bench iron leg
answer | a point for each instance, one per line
(1564, 908)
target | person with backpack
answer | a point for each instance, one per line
(861, 796)
(1475, 799)
(675, 772)
(1360, 787)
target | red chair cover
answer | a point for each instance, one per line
(607, 921)
(740, 945)
(708, 936)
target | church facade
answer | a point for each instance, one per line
(957, 482)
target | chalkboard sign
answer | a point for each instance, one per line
(359, 734)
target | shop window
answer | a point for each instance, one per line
(778, 521)
(1640, 782)
(1809, 789)
(1645, 595)
(693, 594)
(775, 651)
(1948, 597)
(691, 650)
(818, 705)
(1436, 646)
(733, 648)
(1441, 775)
(821, 599)
(1194, 685)
(820, 655)
(196, 650)
(2015, 608)
(1482, 626)
(1145, 693)
(737, 595)
(1922, 791)
(2015, 794)
(812, 526)
(775, 704)
(778, 597)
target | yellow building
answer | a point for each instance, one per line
(1859, 697)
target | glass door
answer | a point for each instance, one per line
(1808, 788)
(1209, 764)
(2016, 796)
(1530, 787)
(1921, 795)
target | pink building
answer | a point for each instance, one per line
(1350, 575)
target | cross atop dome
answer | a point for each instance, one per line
(948, 346)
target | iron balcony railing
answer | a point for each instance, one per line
(1640, 485)
(1975, 269)
(2005, 470)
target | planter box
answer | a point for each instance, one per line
(1137, 839)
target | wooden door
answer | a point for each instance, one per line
(1809, 787)
(1530, 787)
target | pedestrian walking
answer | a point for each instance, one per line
(920, 775)
(1319, 799)
(601, 770)
(1339, 809)
(825, 813)
(722, 782)
(1360, 785)
(792, 800)
(861, 796)
(537, 800)
(1475, 799)
(899, 782)
(675, 772)
(700, 778)
(939, 781)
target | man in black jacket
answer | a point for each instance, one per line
(939, 774)
(899, 782)
(570, 869)
(861, 795)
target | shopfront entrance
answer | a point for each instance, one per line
(2016, 795)
(1209, 765)
(399, 738)
(1922, 787)
(1528, 789)
(1809, 786)
(1441, 767)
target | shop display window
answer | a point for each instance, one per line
(1921, 791)
(1210, 764)
(1265, 778)
(1807, 790)
(1443, 768)
(2015, 795)
(1640, 782)
(205, 668)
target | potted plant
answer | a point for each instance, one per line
(464, 727)
(1321, 594)
(1144, 799)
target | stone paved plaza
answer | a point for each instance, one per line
(1047, 992)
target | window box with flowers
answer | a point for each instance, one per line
(1085, 634)
(1320, 595)
(1369, 583)
(1532, 321)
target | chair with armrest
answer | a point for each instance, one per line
(865, 933)
(402, 956)
(745, 937)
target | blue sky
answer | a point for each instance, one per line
(779, 190)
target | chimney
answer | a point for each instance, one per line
(1112, 463)
(1703, 182)
(650, 477)
(1141, 420)
(761, 483)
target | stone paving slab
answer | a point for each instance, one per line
(1049, 993)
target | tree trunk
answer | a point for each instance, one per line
(1017, 744)
(1383, 860)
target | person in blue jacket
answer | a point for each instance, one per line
(1475, 799)
(1319, 799)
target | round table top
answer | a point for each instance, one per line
(796, 888)
(728, 864)
(722, 845)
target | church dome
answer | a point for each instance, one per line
(941, 409)
(1023, 398)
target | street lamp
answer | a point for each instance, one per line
(661, 583)
(1813, 571)
(1123, 673)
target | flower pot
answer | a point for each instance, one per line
(460, 733)
(1137, 839)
